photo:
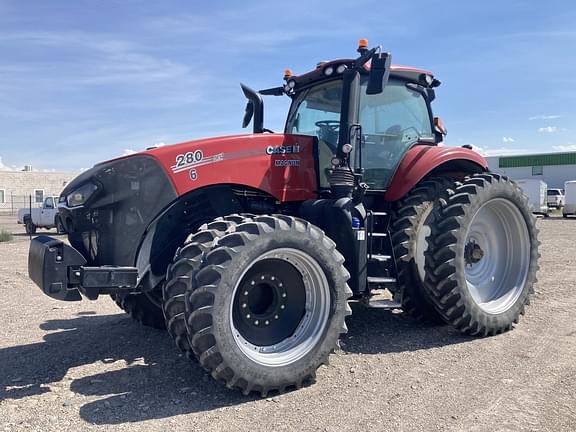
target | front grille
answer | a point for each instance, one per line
(133, 191)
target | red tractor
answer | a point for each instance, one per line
(248, 248)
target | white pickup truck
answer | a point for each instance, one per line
(555, 198)
(43, 217)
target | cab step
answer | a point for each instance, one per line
(381, 280)
(383, 304)
(377, 234)
(379, 258)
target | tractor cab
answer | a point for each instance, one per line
(365, 118)
(389, 122)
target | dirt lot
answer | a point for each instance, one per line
(85, 365)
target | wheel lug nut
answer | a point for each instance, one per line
(267, 322)
(248, 316)
(244, 305)
(245, 292)
(256, 322)
(261, 277)
(280, 284)
(252, 283)
(272, 278)
(284, 295)
(275, 316)
(282, 306)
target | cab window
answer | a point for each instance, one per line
(49, 203)
(316, 112)
(392, 122)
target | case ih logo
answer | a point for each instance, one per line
(283, 149)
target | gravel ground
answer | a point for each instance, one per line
(86, 366)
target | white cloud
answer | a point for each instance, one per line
(507, 139)
(4, 167)
(548, 129)
(544, 117)
(128, 152)
(565, 148)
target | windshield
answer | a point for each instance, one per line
(392, 122)
(316, 112)
(553, 192)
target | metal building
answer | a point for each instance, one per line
(553, 168)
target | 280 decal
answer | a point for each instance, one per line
(191, 160)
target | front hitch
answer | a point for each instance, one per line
(60, 272)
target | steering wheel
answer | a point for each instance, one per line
(333, 125)
(329, 133)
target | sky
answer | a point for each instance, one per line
(84, 81)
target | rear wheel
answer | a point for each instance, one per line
(483, 255)
(181, 273)
(268, 305)
(409, 231)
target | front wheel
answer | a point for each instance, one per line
(268, 305)
(59, 226)
(144, 308)
(181, 272)
(30, 227)
(483, 257)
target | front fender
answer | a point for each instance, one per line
(422, 160)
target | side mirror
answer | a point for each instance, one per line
(379, 73)
(255, 107)
(439, 126)
(248, 113)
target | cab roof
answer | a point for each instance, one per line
(405, 72)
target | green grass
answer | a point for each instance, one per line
(5, 236)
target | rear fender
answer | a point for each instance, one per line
(424, 160)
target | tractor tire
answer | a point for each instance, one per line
(181, 272)
(409, 230)
(268, 305)
(59, 225)
(483, 255)
(30, 227)
(141, 308)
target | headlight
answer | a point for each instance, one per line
(329, 71)
(81, 195)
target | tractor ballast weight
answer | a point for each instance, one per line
(249, 247)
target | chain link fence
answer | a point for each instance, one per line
(11, 203)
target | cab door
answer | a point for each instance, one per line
(392, 122)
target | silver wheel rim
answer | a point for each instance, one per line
(311, 328)
(497, 255)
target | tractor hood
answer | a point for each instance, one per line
(282, 165)
(107, 209)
